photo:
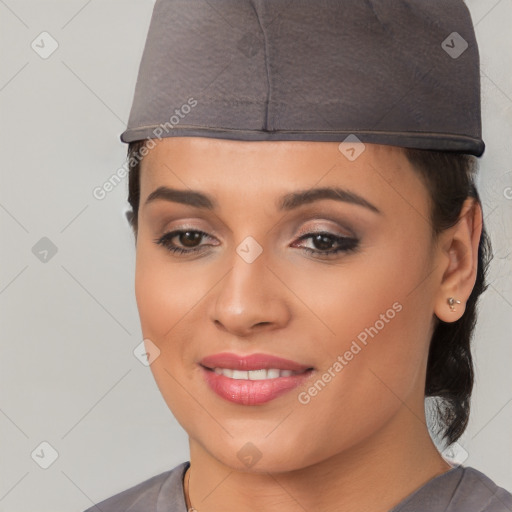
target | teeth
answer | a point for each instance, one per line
(262, 374)
(273, 374)
(224, 371)
(257, 375)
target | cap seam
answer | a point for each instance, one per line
(182, 127)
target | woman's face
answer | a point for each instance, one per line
(355, 323)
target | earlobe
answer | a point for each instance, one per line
(451, 302)
(451, 310)
(129, 216)
(460, 247)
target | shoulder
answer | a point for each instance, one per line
(477, 492)
(461, 489)
(145, 496)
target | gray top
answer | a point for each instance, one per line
(461, 489)
(403, 73)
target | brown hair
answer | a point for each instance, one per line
(449, 178)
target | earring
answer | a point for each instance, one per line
(451, 302)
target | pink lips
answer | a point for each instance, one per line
(251, 392)
(252, 362)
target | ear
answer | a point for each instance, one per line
(129, 217)
(459, 256)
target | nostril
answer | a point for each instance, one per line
(262, 323)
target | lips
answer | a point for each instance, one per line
(253, 379)
(251, 362)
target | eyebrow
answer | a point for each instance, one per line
(287, 202)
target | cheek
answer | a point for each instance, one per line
(165, 295)
(378, 320)
(382, 288)
(165, 292)
(383, 349)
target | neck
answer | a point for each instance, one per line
(373, 476)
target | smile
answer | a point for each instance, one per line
(262, 374)
(253, 379)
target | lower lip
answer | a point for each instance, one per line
(252, 392)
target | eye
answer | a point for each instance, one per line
(324, 241)
(188, 238)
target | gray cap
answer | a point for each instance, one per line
(398, 72)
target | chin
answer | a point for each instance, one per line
(262, 455)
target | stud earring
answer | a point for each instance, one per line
(452, 302)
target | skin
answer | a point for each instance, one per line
(361, 444)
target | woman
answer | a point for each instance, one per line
(310, 250)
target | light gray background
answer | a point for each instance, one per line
(69, 326)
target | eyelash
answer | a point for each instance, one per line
(346, 244)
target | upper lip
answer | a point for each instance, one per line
(251, 362)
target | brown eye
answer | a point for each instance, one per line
(185, 238)
(189, 238)
(323, 243)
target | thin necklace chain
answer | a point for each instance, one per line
(191, 509)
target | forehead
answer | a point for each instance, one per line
(243, 170)
(291, 157)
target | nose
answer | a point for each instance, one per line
(250, 298)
